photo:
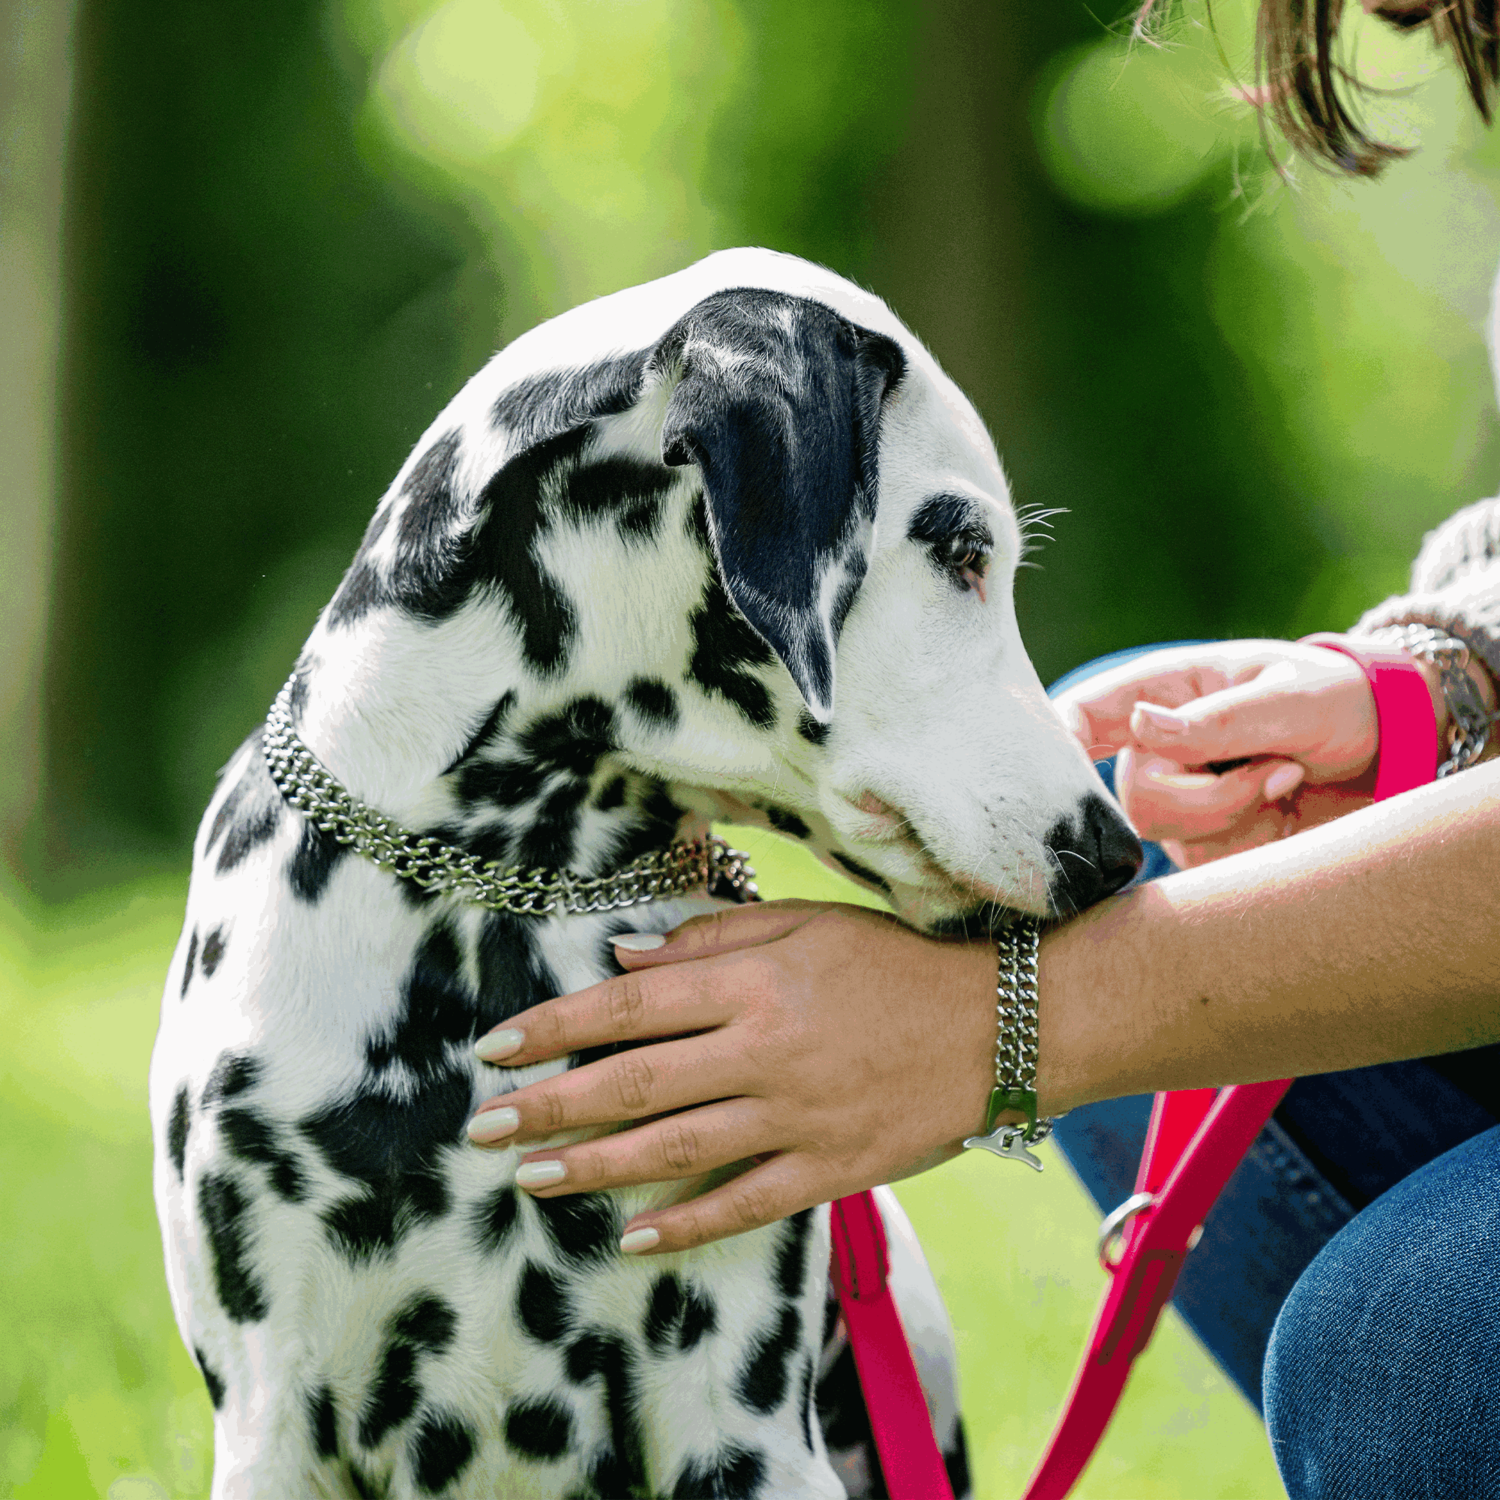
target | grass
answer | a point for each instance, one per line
(98, 1397)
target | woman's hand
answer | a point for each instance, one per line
(1300, 719)
(828, 1045)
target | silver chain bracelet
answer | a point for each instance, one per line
(1468, 720)
(1015, 1048)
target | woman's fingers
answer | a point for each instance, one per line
(689, 1144)
(628, 1086)
(1166, 801)
(1316, 710)
(717, 932)
(634, 1007)
(773, 1190)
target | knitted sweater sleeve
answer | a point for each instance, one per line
(1455, 584)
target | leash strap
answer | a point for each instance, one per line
(1198, 1137)
(909, 1457)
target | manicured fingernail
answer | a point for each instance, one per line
(1281, 781)
(1158, 720)
(493, 1124)
(638, 942)
(540, 1173)
(639, 1239)
(499, 1044)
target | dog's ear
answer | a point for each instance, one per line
(777, 401)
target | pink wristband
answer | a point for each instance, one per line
(1406, 753)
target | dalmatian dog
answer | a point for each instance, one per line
(729, 544)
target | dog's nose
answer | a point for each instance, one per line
(1097, 854)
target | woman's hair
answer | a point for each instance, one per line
(1306, 91)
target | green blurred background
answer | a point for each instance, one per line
(246, 253)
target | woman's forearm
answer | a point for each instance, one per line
(1372, 938)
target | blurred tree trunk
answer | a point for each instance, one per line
(35, 96)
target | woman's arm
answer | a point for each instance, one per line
(843, 1050)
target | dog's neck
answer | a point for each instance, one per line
(440, 728)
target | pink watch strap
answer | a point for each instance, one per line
(1405, 726)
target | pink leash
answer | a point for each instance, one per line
(1196, 1139)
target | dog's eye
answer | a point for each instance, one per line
(965, 557)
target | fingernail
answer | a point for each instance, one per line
(540, 1173)
(637, 1240)
(1160, 720)
(638, 942)
(499, 1044)
(493, 1124)
(1281, 781)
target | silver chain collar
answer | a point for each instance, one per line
(446, 870)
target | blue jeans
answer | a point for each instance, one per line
(1348, 1280)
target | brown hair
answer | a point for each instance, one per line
(1305, 89)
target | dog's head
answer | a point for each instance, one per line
(744, 511)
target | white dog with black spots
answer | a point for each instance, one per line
(726, 545)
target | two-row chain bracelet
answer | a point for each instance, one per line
(1469, 721)
(1015, 1048)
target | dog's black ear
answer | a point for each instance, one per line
(777, 401)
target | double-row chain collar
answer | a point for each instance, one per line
(1469, 721)
(446, 870)
(1015, 1047)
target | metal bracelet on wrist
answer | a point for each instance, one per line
(1468, 720)
(1015, 1048)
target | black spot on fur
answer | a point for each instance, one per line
(441, 1451)
(539, 1429)
(224, 1212)
(808, 1369)
(393, 1397)
(862, 872)
(657, 820)
(504, 552)
(622, 1470)
(312, 865)
(177, 1129)
(841, 1408)
(414, 1102)
(583, 1227)
(424, 1326)
(323, 1419)
(612, 795)
(787, 822)
(250, 1137)
(653, 702)
(500, 783)
(763, 1379)
(620, 487)
(553, 832)
(362, 1486)
(554, 401)
(724, 650)
(425, 573)
(791, 1257)
(233, 1073)
(944, 518)
(190, 962)
(811, 730)
(210, 1379)
(663, 1311)
(573, 739)
(213, 950)
(698, 1319)
(734, 1474)
(956, 1460)
(495, 1218)
(249, 815)
(486, 731)
(542, 1306)
(512, 975)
